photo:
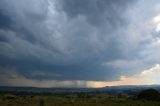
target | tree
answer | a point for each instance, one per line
(149, 94)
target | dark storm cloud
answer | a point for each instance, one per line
(98, 11)
(69, 39)
(4, 20)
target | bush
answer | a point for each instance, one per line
(149, 94)
(41, 102)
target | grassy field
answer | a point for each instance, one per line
(11, 100)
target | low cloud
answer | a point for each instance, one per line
(145, 77)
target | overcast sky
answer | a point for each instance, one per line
(79, 43)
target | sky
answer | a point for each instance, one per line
(79, 43)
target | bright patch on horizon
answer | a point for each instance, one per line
(146, 77)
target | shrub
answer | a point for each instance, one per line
(149, 94)
(41, 102)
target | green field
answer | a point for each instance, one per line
(12, 100)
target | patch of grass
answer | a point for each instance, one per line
(62, 101)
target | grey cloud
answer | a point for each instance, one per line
(9, 77)
(73, 39)
(98, 12)
(4, 20)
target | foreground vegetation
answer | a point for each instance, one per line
(148, 97)
(100, 100)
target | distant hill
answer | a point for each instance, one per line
(130, 90)
(133, 87)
